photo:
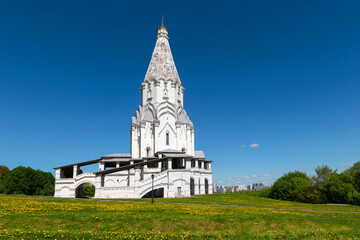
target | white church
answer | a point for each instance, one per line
(162, 159)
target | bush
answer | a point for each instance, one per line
(356, 198)
(310, 194)
(264, 192)
(322, 174)
(326, 186)
(340, 190)
(354, 171)
(88, 190)
(25, 180)
(3, 173)
(284, 187)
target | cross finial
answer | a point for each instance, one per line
(162, 21)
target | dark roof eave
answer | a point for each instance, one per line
(203, 159)
(80, 163)
(130, 166)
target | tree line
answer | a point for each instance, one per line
(327, 186)
(25, 180)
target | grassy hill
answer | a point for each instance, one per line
(198, 217)
(251, 199)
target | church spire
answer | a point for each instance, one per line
(162, 65)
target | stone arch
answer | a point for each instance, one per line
(180, 180)
(79, 189)
(158, 193)
(110, 183)
(85, 181)
(206, 186)
(192, 186)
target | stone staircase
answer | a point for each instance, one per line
(160, 180)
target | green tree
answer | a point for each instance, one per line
(264, 192)
(310, 194)
(284, 187)
(339, 189)
(88, 190)
(3, 172)
(322, 174)
(355, 172)
(25, 180)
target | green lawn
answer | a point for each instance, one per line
(36, 217)
(249, 199)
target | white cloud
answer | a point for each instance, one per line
(346, 165)
(300, 169)
(254, 145)
(243, 146)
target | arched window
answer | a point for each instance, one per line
(183, 149)
(167, 138)
(148, 152)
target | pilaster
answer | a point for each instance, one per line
(156, 134)
(188, 163)
(196, 186)
(169, 163)
(75, 171)
(98, 179)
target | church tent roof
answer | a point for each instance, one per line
(162, 65)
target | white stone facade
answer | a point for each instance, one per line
(161, 121)
(162, 155)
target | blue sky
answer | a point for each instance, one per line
(281, 75)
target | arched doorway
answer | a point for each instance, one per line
(85, 190)
(192, 186)
(206, 186)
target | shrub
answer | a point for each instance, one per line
(310, 194)
(284, 187)
(25, 180)
(3, 173)
(322, 174)
(340, 190)
(354, 171)
(264, 192)
(88, 190)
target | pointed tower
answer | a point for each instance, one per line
(161, 121)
